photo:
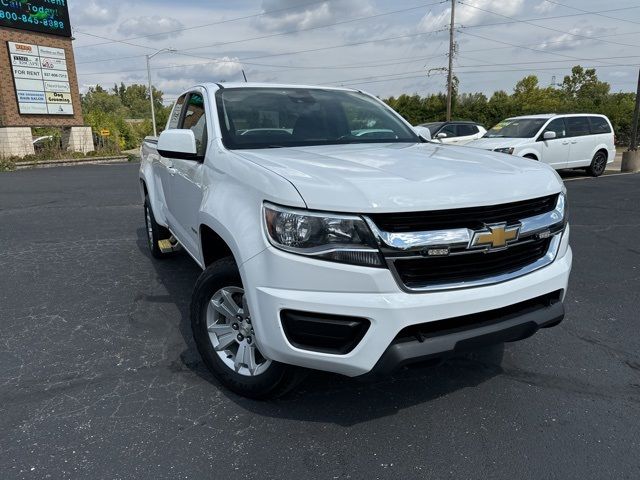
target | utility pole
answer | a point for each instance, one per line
(631, 158)
(452, 48)
(633, 144)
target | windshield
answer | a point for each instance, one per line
(433, 127)
(283, 117)
(517, 128)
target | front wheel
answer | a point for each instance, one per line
(598, 164)
(226, 340)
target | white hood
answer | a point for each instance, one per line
(493, 143)
(362, 178)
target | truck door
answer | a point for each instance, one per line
(185, 176)
(161, 167)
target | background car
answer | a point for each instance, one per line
(562, 141)
(458, 133)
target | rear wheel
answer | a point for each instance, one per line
(226, 340)
(598, 164)
(155, 232)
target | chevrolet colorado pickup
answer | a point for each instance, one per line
(332, 236)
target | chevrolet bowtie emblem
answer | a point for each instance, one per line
(495, 237)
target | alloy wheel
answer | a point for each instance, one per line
(231, 332)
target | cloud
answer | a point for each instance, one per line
(155, 26)
(467, 15)
(224, 68)
(308, 16)
(91, 13)
(544, 7)
(574, 38)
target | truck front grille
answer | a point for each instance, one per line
(419, 273)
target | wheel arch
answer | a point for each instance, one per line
(212, 246)
(603, 149)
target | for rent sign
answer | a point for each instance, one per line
(41, 79)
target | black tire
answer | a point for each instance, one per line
(530, 156)
(154, 232)
(275, 381)
(598, 164)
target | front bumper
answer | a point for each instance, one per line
(279, 281)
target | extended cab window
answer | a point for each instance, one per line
(599, 125)
(195, 119)
(174, 121)
(558, 126)
(578, 126)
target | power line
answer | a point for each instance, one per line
(597, 13)
(472, 72)
(529, 22)
(554, 17)
(542, 61)
(489, 71)
(520, 46)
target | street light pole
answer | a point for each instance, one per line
(153, 107)
(452, 47)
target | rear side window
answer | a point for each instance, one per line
(599, 125)
(578, 126)
(466, 130)
(174, 121)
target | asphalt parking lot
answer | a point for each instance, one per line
(99, 377)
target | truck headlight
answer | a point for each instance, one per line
(334, 237)
(508, 151)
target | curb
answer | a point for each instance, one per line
(70, 162)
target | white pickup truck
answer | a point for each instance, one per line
(333, 237)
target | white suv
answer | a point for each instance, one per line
(562, 141)
(327, 249)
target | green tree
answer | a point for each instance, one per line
(125, 111)
(583, 91)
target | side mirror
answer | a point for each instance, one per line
(441, 135)
(423, 132)
(179, 144)
(548, 135)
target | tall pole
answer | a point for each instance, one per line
(451, 52)
(153, 107)
(633, 144)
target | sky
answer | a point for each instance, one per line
(384, 47)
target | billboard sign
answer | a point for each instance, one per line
(43, 16)
(41, 79)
